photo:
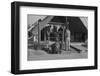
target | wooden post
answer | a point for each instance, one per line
(39, 33)
(65, 34)
(63, 38)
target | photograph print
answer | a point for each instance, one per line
(52, 37)
(57, 37)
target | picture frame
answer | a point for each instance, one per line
(23, 12)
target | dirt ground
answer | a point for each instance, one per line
(42, 55)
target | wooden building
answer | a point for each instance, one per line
(43, 33)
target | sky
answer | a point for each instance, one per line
(34, 18)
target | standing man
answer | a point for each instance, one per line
(67, 35)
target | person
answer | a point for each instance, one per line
(58, 46)
(60, 32)
(47, 32)
(54, 33)
(67, 39)
(55, 48)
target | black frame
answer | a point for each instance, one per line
(15, 34)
